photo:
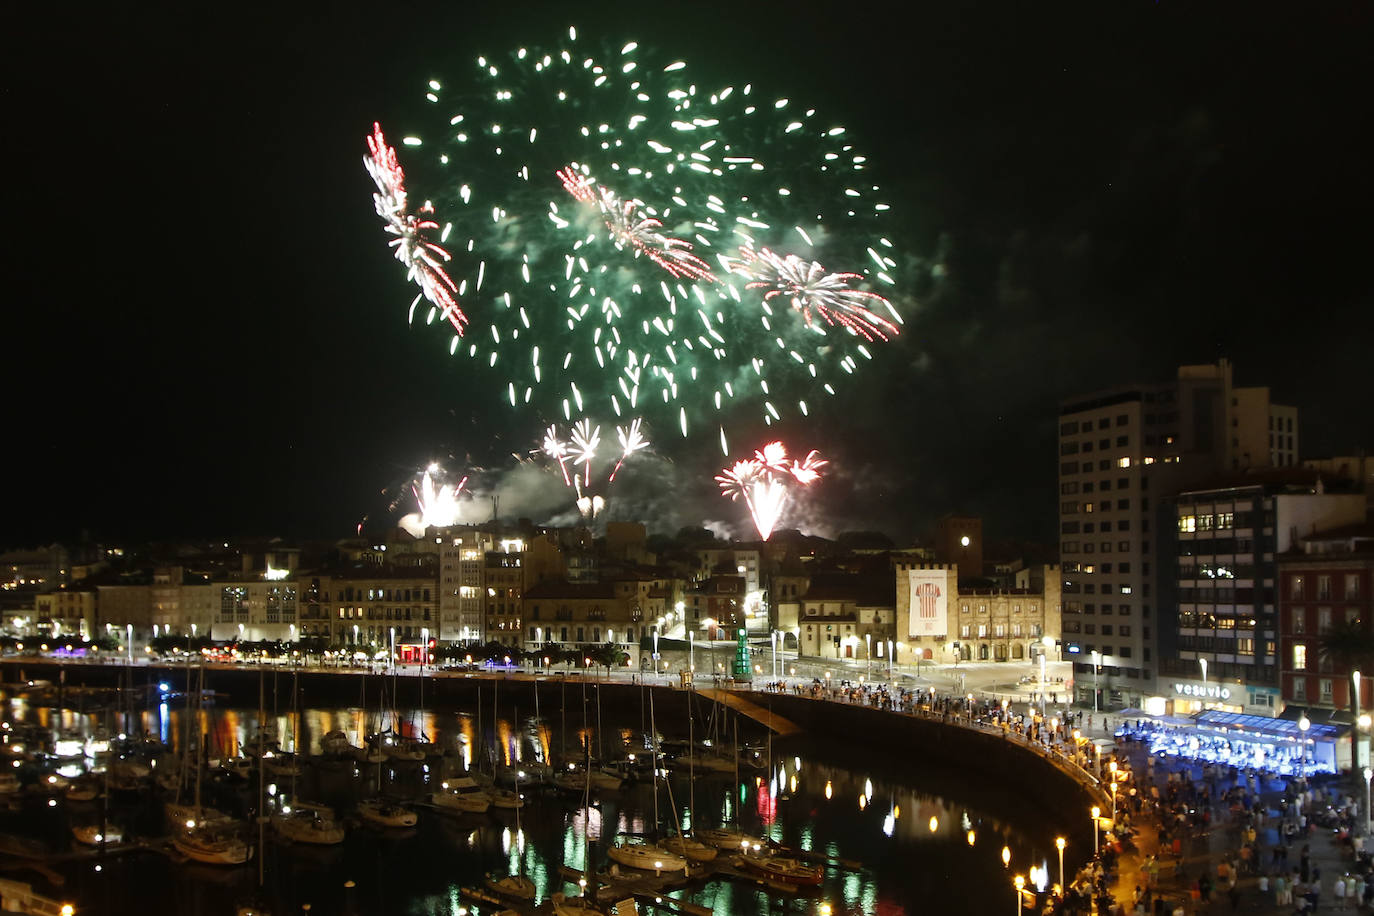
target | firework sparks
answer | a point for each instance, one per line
(631, 440)
(577, 317)
(423, 258)
(810, 289)
(631, 227)
(437, 503)
(762, 482)
(581, 448)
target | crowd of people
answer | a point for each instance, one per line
(1201, 835)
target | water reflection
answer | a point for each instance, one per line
(913, 849)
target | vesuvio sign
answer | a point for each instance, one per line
(1209, 691)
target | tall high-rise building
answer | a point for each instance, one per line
(1121, 451)
(1218, 613)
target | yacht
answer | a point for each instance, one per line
(212, 845)
(506, 799)
(690, 849)
(382, 813)
(724, 838)
(311, 824)
(461, 795)
(785, 870)
(92, 835)
(647, 858)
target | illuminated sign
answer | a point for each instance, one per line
(1203, 691)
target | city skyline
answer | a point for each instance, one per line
(1087, 200)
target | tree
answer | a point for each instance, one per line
(609, 656)
(1349, 647)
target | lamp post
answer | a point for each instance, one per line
(1355, 735)
(1042, 685)
(868, 656)
(1303, 725)
(1202, 663)
(1111, 767)
(1020, 882)
(1097, 813)
(1368, 774)
(1059, 844)
(691, 651)
(1096, 656)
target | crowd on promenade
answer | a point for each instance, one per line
(1188, 836)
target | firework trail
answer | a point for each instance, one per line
(810, 289)
(424, 260)
(581, 449)
(764, 482)
(591, 194)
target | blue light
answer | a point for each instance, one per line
(164, 687)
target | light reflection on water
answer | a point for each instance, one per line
(846, 811)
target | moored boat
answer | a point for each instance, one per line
(382, 813)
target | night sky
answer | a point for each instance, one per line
(207, 334)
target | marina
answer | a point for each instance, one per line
(822, 831)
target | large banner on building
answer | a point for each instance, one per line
(927, 603)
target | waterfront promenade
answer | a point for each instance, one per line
(1081, 746)
(1206, 816)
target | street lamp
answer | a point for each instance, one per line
(691, 651)
(1303, 725)
(1060, 843)
(1006, 857)
(1096, 657)
(1020, 882)
(1355, 735)
(868, 655)
(1368, 773)
(1112, 768)
(1202, 662)
(1042, 685)
(1096, 812)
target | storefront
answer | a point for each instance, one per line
(1185, 697)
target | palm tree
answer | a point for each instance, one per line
(1349, 646)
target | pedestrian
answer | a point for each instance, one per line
(1234, 895)
(1338, 891)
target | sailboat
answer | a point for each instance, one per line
(649, 856)
(726, 838)
(460, 795)
(308, 823)
(688, 847)
(205, 835)
(517, 886)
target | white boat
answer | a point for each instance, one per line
(731, 840)
(92, 835)
(506, 799)
(647, 858)
(382, 813)
(515, 887)
(311, 824)
(461, 795)
(212, 846)
(188, 817)
(690, 849)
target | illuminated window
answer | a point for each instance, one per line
(1299, 657)
(1123, 463)
(1187, 523)
(1296, 587)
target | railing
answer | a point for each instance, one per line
(1051, 754)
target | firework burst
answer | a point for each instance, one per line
(436, 503)
(424, 259)
(581, 448)
(810, 289)
(764, 483)
(609, 303)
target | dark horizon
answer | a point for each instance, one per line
(213, 331)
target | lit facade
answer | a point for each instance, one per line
(937, 620)
(1327, 580)
(1121, 452)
